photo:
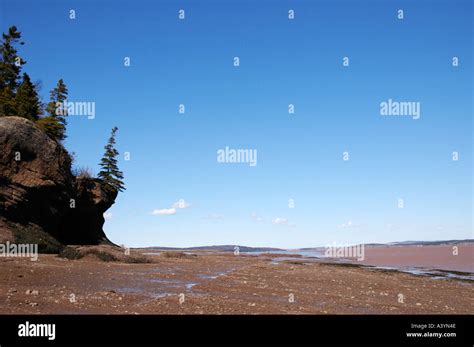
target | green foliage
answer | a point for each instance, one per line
(51, 127)
(7, 102)
(56, 112)
(10, 67)
(21, 99)
(10, 62)
(57, 96)
(110, 173)
(26, 102)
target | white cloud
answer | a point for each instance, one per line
(181, 203)
(280, 221)
(107, 215)
(256, 218)
(164, 212)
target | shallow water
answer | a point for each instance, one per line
(437, 274)
(306, 254)
(419, 271)
(152, 253)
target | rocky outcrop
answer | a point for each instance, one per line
(40, 200)
(87, 218)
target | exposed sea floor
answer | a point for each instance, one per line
(318, 256)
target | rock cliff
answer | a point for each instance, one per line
(40, 199)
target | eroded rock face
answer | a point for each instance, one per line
(36, 188)
(83, 224)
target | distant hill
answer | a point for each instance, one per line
(430, 243)
(404, 243)
(221, 248)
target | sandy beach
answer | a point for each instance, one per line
(221, 283)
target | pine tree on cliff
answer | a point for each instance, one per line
(54, 123)
(10, 67)
(10, 62)
(7, 102)
(26, 102)
(110, 173)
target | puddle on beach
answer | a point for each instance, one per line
(158, 287)
(214, 276)
(160, 252)
(302, 259)
(152, 253)
(433, 273)
(162, 287)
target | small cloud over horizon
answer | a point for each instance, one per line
(180, 204)
(164, 212)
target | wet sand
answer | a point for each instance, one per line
(221, 283)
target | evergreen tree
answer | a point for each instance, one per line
(10, 67)
(57, 96)
(110, 173)
(56, 112)
(10, 62)
(7, 102)
(51, 127)
(27, 103)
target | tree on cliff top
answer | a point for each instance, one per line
(26, 102)
(110, 173)
(10, 62)
(19, 97)
(10, 68)
(54, 123)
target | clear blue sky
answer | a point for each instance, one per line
(190, 62)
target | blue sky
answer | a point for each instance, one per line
(300, 155)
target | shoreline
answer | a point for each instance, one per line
(436, 261)
(221, 283)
